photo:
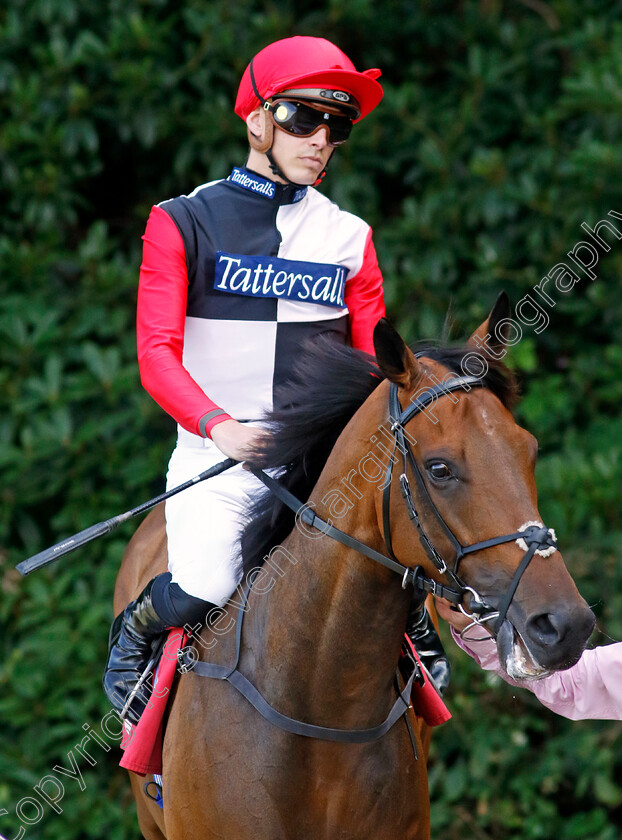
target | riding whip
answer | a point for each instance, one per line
(70, 544)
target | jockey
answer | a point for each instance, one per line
(236, 277)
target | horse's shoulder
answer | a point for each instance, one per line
(217, 640)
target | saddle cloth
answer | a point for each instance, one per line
(142, 742)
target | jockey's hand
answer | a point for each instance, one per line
(237, 440)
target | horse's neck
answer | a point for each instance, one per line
(327, 635)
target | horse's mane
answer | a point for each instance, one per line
(329, 383)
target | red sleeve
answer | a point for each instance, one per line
(160, 325)
(365, 300)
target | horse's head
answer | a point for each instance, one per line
(471, 480)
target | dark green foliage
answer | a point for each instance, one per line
(498, 136)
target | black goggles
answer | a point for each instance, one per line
(303, 120)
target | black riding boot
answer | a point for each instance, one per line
(422, 633)
(134, 636)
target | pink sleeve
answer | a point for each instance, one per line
(591, 689)
(484, 653)
(160, 326)
(365, 300)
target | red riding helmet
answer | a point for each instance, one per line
(307, 63)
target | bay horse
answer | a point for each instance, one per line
(322, 642)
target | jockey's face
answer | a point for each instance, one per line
(302, 159)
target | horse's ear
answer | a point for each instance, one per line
(492, 333)
(394, 358)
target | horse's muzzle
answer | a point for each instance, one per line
(552, 641)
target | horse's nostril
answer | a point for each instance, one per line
(546, 629)
(557, 638)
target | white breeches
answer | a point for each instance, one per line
(203, 523)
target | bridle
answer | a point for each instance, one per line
(535, 536)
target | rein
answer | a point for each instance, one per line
(306, 514)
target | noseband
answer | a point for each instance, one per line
(534, 537)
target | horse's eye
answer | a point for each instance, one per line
(439, 471)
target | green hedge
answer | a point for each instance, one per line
(498, 136)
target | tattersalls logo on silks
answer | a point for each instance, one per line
(273, 277)
(253, 183)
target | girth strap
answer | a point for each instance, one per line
(296, 727)
(299, 727)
